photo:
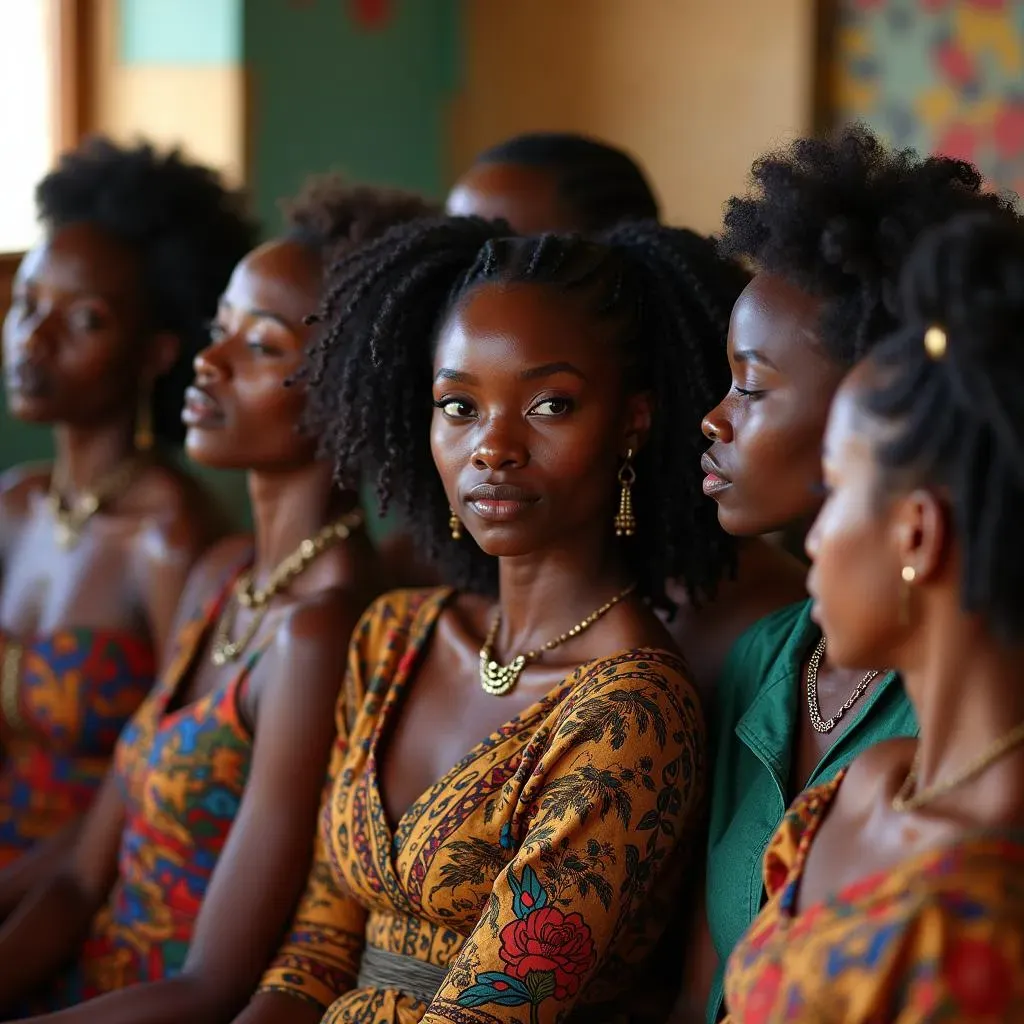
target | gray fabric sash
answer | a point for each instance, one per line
(380, 968)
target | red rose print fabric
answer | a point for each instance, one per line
(535, 879)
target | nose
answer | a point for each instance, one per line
(33, 339)
(211, 365)
(716, 426)
(811, 540)
(498, 447)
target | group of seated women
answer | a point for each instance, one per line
(619, 755)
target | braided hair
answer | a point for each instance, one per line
(600, 184)
(187, 228)
(954, 420)
(837, 217)
(666, 295)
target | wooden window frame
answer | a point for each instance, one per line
(72, 24)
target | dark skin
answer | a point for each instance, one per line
(77, 355)
(527, 197)
(764, 470)
(964, 683)
(766, 579)
(240, 415)
(526, 396)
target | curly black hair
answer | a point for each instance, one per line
(665, 294)
(331, 216)
(957, 422)
(836, 217)
(187, 227)
(600, 184)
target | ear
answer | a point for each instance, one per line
(162, 353)
(922, 533)
(637, 421)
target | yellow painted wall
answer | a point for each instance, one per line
(200, 108)
(695, 88)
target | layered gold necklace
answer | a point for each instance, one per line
(820, 724)
(71, 516)
(498, 680)
(247, 595)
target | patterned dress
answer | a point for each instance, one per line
(939, 937)
(181, 771)
(64, 698)
(533, 880)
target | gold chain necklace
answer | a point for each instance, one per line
(814, 708)
(907, 800)
(498, 680)
(72, 517)
(246, 595)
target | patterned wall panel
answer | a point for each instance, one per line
(941, 76)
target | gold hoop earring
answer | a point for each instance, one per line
(908, 574)
(455, 525)
(625, 520)
(144, 423)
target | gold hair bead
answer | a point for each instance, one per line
(935, 342)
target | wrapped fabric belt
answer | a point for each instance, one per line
(380, 968)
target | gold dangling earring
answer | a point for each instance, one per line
(144, 422)
(908, 575)
(625, 520)
(455, 525)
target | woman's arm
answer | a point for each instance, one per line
(50, 923)
(614, 804)
(261, 871)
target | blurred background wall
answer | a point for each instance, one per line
(405, 92)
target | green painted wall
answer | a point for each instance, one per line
(328, 94)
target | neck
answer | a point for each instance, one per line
(290, 505)
(544, 594)
(966, 690)
(84, 456)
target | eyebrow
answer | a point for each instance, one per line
(752, 355)
(549, 370)
(259, 314)
(455, 376)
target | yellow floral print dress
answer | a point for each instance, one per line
(938, 938)
(534, 880)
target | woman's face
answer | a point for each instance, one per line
(858, 543)
(531, 421)
(764, 465)
(76, 345)
(526, 197)
(238, 412)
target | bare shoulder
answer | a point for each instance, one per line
(18, 484)
(322, 621)
(872, 777)
(179, 518)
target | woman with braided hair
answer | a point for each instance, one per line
(894, 890)
(515, 792)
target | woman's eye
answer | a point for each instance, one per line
(552, 407)
(747, 392)
(455, 408)
(85, 320)
(216, 332)
(262, 347)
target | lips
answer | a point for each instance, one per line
(500, 502)
(201, 409)
(714, 480)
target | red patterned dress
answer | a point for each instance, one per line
(182, 771)
(939, 937)
(64, 698)
(534, 880)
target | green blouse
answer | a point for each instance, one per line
(753, 734)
